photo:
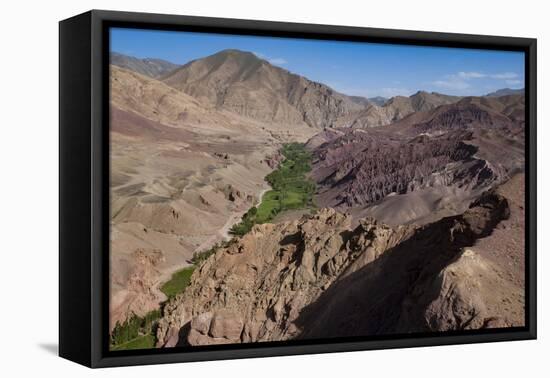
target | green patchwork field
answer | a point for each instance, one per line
(291, 189)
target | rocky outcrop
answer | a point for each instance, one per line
(431, 281)
(319, 277)
(233, 194)
(260, 283)
(139, 297)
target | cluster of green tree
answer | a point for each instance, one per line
(248, 220)
(141, 342)
(179, 281)
(199, 257)
(291, 189)
(133, 328)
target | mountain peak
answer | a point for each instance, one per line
(245, 60)
(421, 92)
(235, 54)
(246, 84)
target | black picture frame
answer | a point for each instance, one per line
(84, 192)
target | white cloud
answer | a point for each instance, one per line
(514, 82)
(452, 82)
(481, 75)
(471, 75)
(368, 92)
(276, 61)
(504, 76)
(462, 81)
(391, 92)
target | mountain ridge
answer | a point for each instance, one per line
(506, 92)
(151, 67)
(248, 85)
(319, 276)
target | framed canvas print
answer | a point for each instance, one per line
(233, 188)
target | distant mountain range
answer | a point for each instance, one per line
(245, 84)
(506, 92)
(151, 67)
(395, 109)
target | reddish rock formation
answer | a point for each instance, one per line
(466, 147)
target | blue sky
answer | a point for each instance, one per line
(363, 69)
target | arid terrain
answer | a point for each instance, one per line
(182, 173)
(301, 212)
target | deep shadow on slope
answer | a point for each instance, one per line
(372, 300)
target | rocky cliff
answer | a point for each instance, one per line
(321, 277)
